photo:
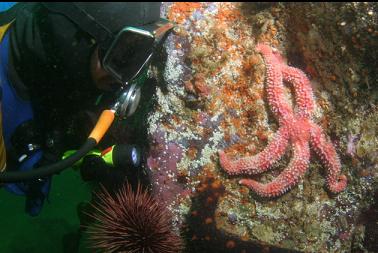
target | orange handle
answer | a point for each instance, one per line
(102, 125)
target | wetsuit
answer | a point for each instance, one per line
(43, 83)
(17, 113)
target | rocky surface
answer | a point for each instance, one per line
(211, 96)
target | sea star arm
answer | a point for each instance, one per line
(302, 88)
(336, 181)
(274, 86)
(288, 178)
(259, 162)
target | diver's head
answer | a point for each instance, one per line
(126, 34)
(108, 43)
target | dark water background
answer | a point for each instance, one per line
(55, 229)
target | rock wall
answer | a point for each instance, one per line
(211, 96)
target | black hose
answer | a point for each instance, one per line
(17, 176)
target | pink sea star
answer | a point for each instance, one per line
(295, 128)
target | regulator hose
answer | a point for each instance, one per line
(102, 126)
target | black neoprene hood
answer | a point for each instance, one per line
(116, 15)
(103, 20)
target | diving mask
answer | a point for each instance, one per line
(132, 50)
(128, 59)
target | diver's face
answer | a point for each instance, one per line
(102, 79)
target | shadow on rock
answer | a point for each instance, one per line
(201, 232)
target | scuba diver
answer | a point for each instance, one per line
(59, 59)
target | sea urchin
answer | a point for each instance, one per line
(131, 222)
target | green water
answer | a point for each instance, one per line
(55, 229)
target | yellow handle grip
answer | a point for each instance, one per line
(102, 125)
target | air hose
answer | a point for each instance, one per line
(102, 126)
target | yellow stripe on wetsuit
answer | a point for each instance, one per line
(3, 155)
